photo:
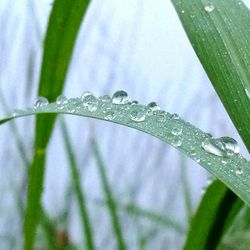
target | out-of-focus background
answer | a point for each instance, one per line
(138, 46)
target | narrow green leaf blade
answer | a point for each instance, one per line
(218, 208)
(220, 35)
(80, 194)
(63, 27)
(121, 245)
(233, 169)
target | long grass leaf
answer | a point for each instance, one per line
(75, 175)
(232, 169)
(63, 27)
(219, 33)
(109, 197)
(213, 217)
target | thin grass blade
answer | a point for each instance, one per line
(80, 194)
(64, 23)
(121, 245)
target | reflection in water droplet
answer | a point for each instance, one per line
(213, 146)
(120, 97)
(138, 114)
(40, 102)
(176, 131)
(209, 8)
(230, 144)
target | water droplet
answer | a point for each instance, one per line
(176, 131)
(89, 101)
(138, 114)
(182, 11)
(40, 102)
(120, 97)
(247, 90)
(134, 102)
(213, 146)
(105, 99)
(176, 142)
(17, 112)
(239, 171)
(175, 116)
(209, 7)
(152, 107)
(230, 144)
(61, 100)
(110, 115)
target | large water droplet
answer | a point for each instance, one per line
(138, 114)
(209, 7)
(120, 97)
(40, 102)
(230, 144)
(213, 146)
(176, 131)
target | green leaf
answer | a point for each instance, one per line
(75, 176)
(64, 23)
(111, 204)
(232, 169)
(213, 217)
(218, 31)
(220, 35)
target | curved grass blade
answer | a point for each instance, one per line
(63, 27)
(233, 169)
(87, 230)
(215, 214)
(219, 33)
(109, 197)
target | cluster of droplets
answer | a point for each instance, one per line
(223, 147)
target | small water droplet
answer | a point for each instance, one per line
(175, 116)
(110, 115)
(61, 100)
(176, 131)
(138, 114)
(40, 102)
(182, 11)
(17, 112)
(209, 7)
(134, 102)
(239, 171)
(213, 146)
(176, 142)
(247, 90)
(89, 101)
(230, 144)
(105, 99)
(152, 107)
(120, 97)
